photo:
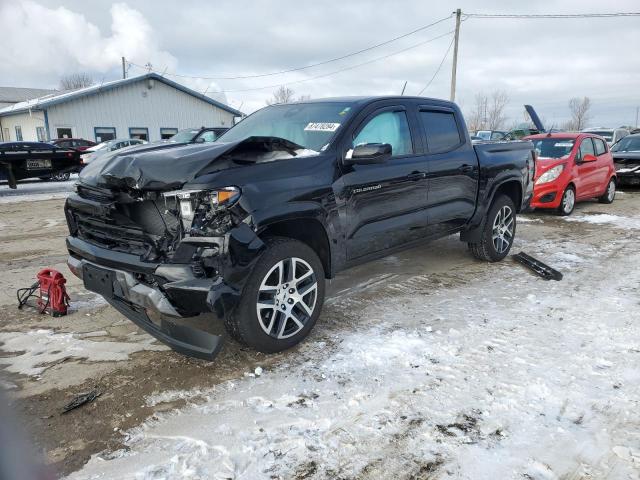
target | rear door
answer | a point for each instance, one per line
(452, 168)
(604, 165)
(385, 202)
(587, 171)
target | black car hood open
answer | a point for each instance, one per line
(168, 167)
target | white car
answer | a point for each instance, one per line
(611, 135)
(93, 153)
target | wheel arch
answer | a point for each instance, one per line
(309, 231)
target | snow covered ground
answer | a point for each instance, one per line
(499, 375)
(37, 190)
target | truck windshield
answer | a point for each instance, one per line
(553, 147)
(310, 125)
(627, 144)
(184, 136)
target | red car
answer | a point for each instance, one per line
(571, 167)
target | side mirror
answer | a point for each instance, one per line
(368, 154)
(200, 140)
(589, 158)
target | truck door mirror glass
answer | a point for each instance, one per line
(368, 153)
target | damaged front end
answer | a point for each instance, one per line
(161, 256)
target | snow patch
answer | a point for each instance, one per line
(34, 197)
(37, 350)
(625, 223)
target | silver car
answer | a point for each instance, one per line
(93, 153)
(611, 135)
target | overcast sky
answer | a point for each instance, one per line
(542, 62)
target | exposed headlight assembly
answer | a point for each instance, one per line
(199, 207)
(550, 175)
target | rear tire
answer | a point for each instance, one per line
(282, 299)
(610, 193)
(568, 202)
(498, 232)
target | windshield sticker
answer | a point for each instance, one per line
(321, 127)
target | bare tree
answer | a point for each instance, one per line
(281, 95)
(74, 81)
(488, 111)
(477, 119)
(579, 113)
(495, 113)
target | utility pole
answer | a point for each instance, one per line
(637, 111)
(124, 69)
(454, 67)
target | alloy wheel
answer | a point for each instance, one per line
(287, 298)
(611, 191)
(503, 228)
(568, 201)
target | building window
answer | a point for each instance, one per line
(42, 137)
(166, 133)
(104, 134)
(18, 133)
(64, 132)
(139, 133)
(6, 135)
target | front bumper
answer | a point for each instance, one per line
(628, 175)
(137, 289)
(547, 195)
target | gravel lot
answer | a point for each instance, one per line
(426, 364)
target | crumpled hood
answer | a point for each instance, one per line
(153, 167)
(633, 156)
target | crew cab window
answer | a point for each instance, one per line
(586, 148)
(441, 130)
(600, 146)
(387, 127)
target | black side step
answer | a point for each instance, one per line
(181, 338)
(539, 268)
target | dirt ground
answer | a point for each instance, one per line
(47, 361)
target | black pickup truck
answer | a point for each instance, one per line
(250, 227)
(20, 160)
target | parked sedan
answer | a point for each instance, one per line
(198, 135)
(78, 143)
(93, 153)
(626, 156)
(611, 135)
(571, 167)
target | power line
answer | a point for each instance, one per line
(438, 69)
(553, 15)
(324, 62)
(397, 52)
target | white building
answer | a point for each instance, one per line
(149, 107)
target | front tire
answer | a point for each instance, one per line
(282, 299)
(568, 202)
(610, 193)
(498, 232)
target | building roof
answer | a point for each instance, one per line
(17, 94)
(42, 102)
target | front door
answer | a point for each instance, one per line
(385, 202)
(587, 171)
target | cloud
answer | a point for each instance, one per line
(38, 40)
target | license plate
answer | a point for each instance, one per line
(98, 280)
(38, 164)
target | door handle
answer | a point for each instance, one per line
(416, 176)
(466, 168)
